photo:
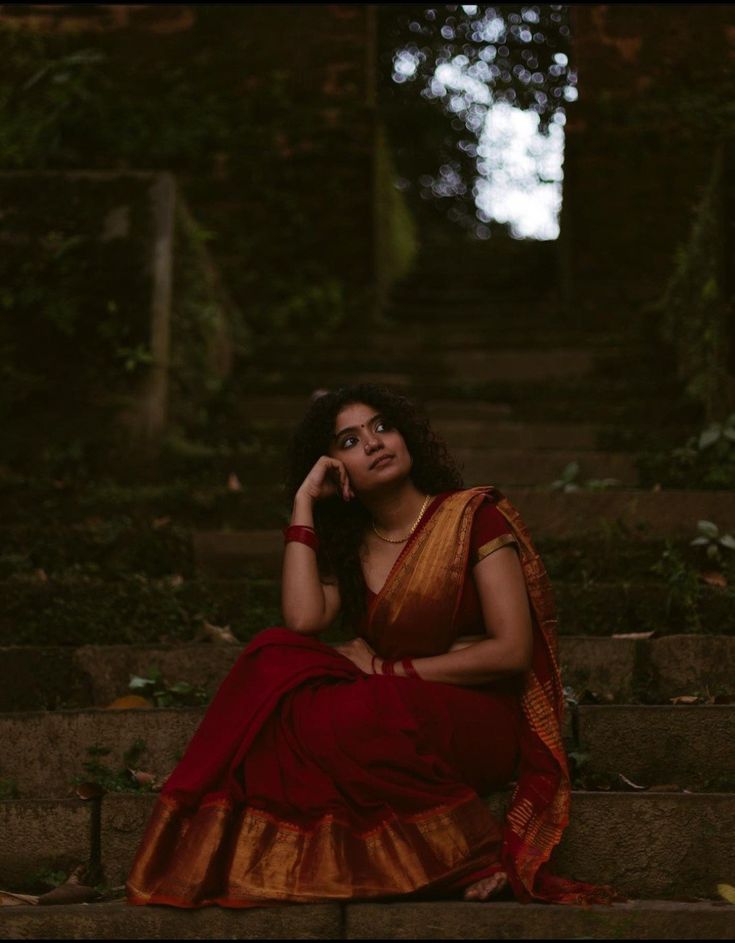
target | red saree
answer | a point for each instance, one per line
(309, 781)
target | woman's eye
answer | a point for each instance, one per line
(383, 426)
(346, 443)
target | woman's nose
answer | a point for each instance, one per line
(372, 442)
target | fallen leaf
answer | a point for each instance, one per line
(69, 893)
(656, 487)
(727, 891)
(685, 699)
(129, 701)
(629, 782)
(41, 575)
(88, 791)
(233, 483)
(9, 899)
(176, 579)
(160, 522)
(142, 778)
(634, 635)
(714, 578)
(665, 787)
(217, 633)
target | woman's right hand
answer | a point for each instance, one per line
(328, 477)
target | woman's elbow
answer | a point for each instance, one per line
(519, 658)
(303, 626)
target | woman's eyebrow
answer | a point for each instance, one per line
(355, 428)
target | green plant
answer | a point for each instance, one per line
(120, 780)
(8, 788)
(706, 460)
(568, 482)
(713, 542)
(683, 585)
(166, 694)
(693, 308)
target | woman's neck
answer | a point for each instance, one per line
(394, 512)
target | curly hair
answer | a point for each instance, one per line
(339, 525)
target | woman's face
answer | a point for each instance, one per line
(371, 449)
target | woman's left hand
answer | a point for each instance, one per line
(359, 653)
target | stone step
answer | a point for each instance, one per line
(520, 366)
(622, 670)
(427, 920)
(656, 845)
(528, 467)
(494, 363)
(642, 514)
(692, 747)
(478, 433)
(596, 589)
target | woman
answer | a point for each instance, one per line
(359, 771)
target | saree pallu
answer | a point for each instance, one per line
(310, 781)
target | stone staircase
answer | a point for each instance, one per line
(519, 391)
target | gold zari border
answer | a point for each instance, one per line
(495, 544)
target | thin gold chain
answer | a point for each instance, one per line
(401, 540)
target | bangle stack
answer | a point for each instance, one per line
(389, 667)
(409, 668)
(302, 534)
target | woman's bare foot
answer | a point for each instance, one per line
(487, 888)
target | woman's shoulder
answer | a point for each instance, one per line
(490, 530)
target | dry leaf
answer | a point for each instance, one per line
(629, 782)
(141, 777)
(217, 633)
(176, 579)
(69, 893)
(727, 891)
(88, 791)
(665, 787)
(160, 522)
(656, 487)
(41, 575)
(129, 701)
(233, 483)
(9, 899)
(713, 578)
(635, 635)
(685, 699)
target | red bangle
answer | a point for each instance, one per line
(302, 534)
(389, 667)
(409, 669)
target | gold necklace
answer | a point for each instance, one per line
(415, 524)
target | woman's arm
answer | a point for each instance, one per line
(308, 605)
(507, 648)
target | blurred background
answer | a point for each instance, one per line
(198, 199)
(520, 215)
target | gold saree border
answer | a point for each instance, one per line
(495, 544)
(274, 861)
(437, 561)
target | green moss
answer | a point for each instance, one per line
(693, 309)
(396, 233)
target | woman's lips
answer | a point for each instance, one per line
(383, 460)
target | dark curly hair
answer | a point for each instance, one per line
(339, 525)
